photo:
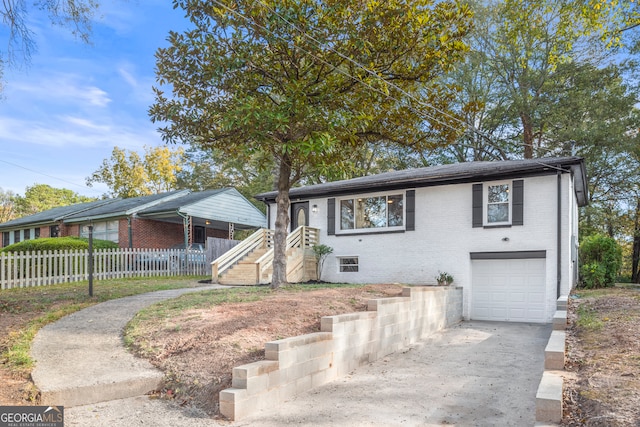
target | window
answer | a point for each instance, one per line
(498, 204)
(54, 231)
(5, 239)
(381, 211)
(27, 234)
(16, 236)
(348, 264)
(36, 233)
(107, 230)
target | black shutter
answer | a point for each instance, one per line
(517, 205)
(477, 205)
(411, 210)
(331, 217)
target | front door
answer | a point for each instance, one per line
(299, 214)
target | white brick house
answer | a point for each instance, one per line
(506, 231)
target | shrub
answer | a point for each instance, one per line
(321, 252)
(601, 260)
(593, 275)
(444, 278)
(58, 243)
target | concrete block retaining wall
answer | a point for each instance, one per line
(549, 395)
(346, 341)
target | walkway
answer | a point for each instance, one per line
(81, 359)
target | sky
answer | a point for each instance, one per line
(62, 115)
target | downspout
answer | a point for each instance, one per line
(130, 231)
(185, 228)
(559, 235)
(268, 214)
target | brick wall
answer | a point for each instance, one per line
(67, 230)
(297, 364)
(156, 234)
(45, 232)
(152, 234)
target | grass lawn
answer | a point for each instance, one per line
(23, 311)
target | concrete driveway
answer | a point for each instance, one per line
(474, 374)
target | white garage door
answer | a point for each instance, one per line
(508, 290)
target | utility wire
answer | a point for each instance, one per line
(48, 176)
(339, 70)
(375, 75)
(372, 73)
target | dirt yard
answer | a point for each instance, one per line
(199, 348)
(603, 384)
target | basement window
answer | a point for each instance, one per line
(348, 264)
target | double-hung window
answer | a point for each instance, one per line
(372, 212)
(498, 204)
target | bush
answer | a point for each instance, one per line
(58, 244)
(321, 253)
(593, 275)
(601, 260)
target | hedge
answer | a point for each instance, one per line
(58, 243)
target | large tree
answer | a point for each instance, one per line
(518, 47)
(302, 84)
(129, 175)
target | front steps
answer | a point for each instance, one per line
(244, 272)
(301, 267)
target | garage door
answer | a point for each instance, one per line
(510, 290)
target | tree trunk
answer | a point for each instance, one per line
(527, 135)
(635, 274)
(283, 204)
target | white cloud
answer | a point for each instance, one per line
(69, 131)
(128, 77)
(61, 89)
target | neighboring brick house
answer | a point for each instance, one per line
(157, 221)
(507, 231)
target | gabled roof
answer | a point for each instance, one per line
(176, 204)
(53, 215)
(219, 206)
(445, 174)
(222, 206)
(124, 207)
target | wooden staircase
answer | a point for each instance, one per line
(251, 262)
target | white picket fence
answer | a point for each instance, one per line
(22, 269)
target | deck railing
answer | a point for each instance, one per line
(302, 238)
(262, 238)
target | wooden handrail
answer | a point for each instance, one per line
(302, 237)
(262, 238)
